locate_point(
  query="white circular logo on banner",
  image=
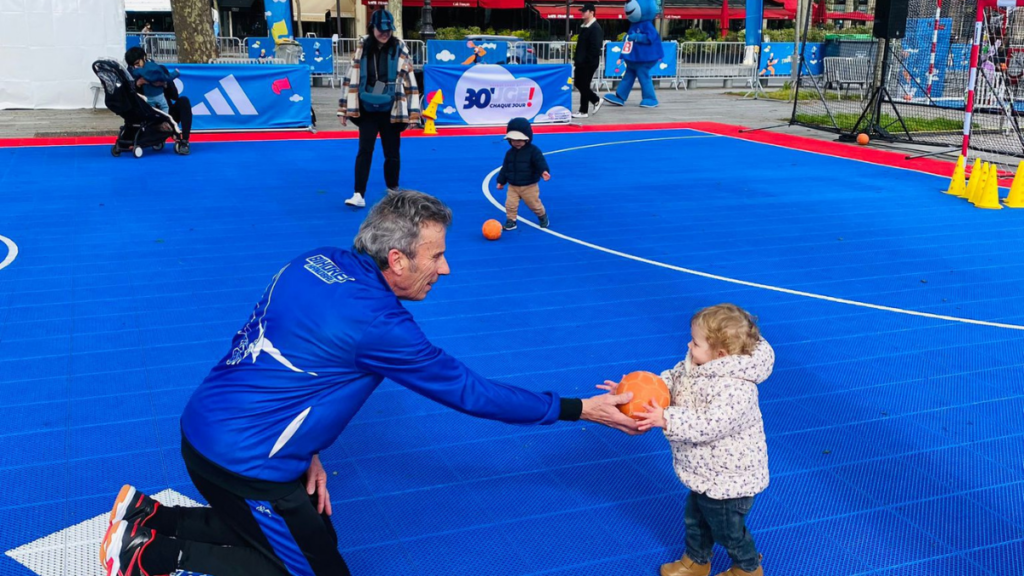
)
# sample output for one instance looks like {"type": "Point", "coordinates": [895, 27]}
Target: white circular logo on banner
{"type": "Point", "coordinates": [490, 94]}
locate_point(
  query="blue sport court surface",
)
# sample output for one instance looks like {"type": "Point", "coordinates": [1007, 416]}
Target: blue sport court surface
{"type": "Point", "coordinates": [894, 415]}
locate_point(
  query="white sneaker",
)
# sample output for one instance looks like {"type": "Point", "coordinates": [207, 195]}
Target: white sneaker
{"type": "Point", "coordinates": [580, 115]}
{"type": "Point", "coordinates": [597, 106]}
{"type": "Point", "coordinates": [356, 200]}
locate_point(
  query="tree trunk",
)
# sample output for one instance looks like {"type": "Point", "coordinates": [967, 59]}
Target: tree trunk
{"type": "Point", "coordinates": [395, 7]}
{"type": "Point", "coordinates": [193, 27]}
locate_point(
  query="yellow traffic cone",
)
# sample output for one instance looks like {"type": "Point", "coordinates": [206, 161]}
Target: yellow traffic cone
{"type": "Point", "coordinates": [972, 182]}
{"type": "Point", "coordinates": [990, 196]}
{"type": "Point", "coordinates": [957, 184]}
{"type": "Point", "coordinates": [1016, 197]}
{"type": "Point", "coordinates": [980, 188]}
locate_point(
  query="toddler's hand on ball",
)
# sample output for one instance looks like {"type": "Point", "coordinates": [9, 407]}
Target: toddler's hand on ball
{"type": "Point", "coordinates": [652, 416]}
{"type": "Point", "coordinates": [610, 386]}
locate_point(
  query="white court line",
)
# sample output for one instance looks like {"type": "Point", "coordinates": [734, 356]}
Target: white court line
{"type": "Point", "coordinates": [500, 206]}
{"type": "Point", "coordinates": [12, 251]}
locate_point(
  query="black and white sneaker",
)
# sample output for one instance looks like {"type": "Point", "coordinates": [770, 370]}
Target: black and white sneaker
{"type": "Point", "coordinates": [580, 115]}
{"type": "Point", "coordinates": [132, 505]}
{"type": "Point", "coordinates": [597, 106]}
{"type": "Point", "coordinates": [510, 225]}
{"type": "Point", "coordinates": [544, 223]}
{"type": "Point", "coordinates": [121, 551]}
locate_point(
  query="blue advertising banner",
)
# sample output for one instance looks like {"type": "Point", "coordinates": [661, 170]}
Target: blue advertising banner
{"type": "Point", "coordinates": [246, 97]}
{"type": "Point", "coordinates": [492, 95]}
{"type": "Point", "coordinates": [755, 17]}
{"type": "Point", "coordinates": [466, 52]}
{"type": "Point", "coordinates": [915, 50]}
{"type": "Point", "coordinates": [615, 67]}
{"type": "Point", "coordinates": [260, 47]}
{"type": "Point", "coordinates": [317, 53]}
{"type": "Point", "coordinates": [279, 18]}
{"type": "Point", "coordinates": [777, 59]}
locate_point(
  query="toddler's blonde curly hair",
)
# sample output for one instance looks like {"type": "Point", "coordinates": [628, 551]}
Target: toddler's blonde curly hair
{"type": "Point", "coordinates": [728, 327]}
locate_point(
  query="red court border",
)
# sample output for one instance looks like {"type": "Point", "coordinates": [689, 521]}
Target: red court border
{"type": "Point", "coordinates": [838, 149]}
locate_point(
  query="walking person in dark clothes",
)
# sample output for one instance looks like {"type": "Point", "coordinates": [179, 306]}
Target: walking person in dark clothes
{"type": "Point", "coordinates": [329, 328]}
{"type": "Point", "coordinates": [523, 168]}
{"type": "Point", "coordinates": [381, 97]}
{"type": "Point", "coordinates": [589, 43]}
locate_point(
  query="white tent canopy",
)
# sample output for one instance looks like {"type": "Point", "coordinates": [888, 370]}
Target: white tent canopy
{"type": "Point", "coordinates": [147, 5]}
{"type": "Point", "coordinates": [47, 48]}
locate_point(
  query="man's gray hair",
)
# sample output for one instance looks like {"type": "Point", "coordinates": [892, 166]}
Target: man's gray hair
{"type": "Point", "coordinates": [394, 223]}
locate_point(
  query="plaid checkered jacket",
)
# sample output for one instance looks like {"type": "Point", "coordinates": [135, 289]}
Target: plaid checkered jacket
{"type": "Point", "coordinates": [406, 109]}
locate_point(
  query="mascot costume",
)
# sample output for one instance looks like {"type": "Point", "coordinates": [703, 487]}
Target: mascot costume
{"type": "Point", "coordinates": [641, 50]}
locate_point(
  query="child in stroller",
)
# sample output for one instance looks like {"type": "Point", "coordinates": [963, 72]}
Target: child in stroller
{"type": "Point", "coordinates": [144, 126]}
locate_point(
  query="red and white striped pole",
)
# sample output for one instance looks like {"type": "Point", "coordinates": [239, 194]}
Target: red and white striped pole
{"type": "Point", "coordinates": [935, 41]}
{"type": "Point", "coordinates": [975, 48]}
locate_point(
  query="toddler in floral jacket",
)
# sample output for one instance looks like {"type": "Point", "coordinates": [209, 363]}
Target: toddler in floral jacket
{"type": "Point", "coordinates": [714, 426]}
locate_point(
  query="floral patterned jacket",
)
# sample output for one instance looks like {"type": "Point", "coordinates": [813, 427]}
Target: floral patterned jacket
{"type": "Point", "coordinates": [714, 424]}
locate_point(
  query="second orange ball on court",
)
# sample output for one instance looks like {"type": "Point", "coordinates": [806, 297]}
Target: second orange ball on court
{"type": "Point", "coordinates": [645, 386]}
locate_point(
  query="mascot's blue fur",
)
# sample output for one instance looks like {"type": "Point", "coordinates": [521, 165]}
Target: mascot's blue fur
{"type": "Point", "coordinates": [641, 52]}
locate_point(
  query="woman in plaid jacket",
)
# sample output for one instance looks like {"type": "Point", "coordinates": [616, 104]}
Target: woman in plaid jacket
{"type": "Point", "coordinates": [381, 97]}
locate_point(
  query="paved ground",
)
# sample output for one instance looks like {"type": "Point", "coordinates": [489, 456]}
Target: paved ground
{"type": "Point", "coordinates": [697, 104]}
{"type": "Point", "coordinates": [676, 106]}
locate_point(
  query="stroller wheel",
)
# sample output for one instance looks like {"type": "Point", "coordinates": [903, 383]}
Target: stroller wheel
{"type": "Point", "coordinates": [138, 152]}
{"type": "Point", "coordinates": [158, 146]}
{"type": "Point", "coordinates": [115, 151]}
{"type": "Point", "coordinates": [182, 148]}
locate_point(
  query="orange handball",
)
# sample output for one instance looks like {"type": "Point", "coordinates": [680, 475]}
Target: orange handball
{"type": "Point", "coordinates": [645, 387]}
{"type": "Point", "coordinates": [863, 139]}
{"type": "Point", "coordinates": [492, 229]}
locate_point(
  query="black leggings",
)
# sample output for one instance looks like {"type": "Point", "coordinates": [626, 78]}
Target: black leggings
{"type": "Point", "coordinates": [236, 536]}
{"type": "Point", "coordinates": [370, 125]}
{"type": "Point", "coordinates": [584, 75]}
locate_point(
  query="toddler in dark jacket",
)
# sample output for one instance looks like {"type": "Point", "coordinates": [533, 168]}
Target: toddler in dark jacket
{"type": "Point", "coordinates": [522, 169]}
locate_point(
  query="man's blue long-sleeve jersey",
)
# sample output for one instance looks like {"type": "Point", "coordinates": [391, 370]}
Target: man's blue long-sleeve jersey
{"type": "Point", "coordinates": [325, 334]}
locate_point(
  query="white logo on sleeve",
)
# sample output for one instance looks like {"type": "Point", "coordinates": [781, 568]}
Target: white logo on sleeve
{"type": "Point", "coordinates": [257, 326]}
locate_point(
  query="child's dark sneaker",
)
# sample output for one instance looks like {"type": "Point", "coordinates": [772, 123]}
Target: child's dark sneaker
{"type": "Point", "coordinates": [510, 225]}
{"type": "Point", "coordinates": [544, 223]}
{"type": "Point", "coordinates": [132, 505]}
{"type": "Point", "coordinates": [121, 551]}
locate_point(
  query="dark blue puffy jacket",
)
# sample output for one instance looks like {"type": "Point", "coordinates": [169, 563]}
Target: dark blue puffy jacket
{"type": "Point", "coordinates": [522, 166]}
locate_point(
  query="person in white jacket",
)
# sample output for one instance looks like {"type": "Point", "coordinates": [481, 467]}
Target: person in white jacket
{"type": "Point", "coordinates": [717, 435]}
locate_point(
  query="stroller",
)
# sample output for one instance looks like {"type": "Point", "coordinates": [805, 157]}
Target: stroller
{"type": "Point", "coordinates": [144, 126]}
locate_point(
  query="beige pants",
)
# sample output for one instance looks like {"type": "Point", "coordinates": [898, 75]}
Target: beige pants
{"type": "Point", "coordinates": [530, 194]}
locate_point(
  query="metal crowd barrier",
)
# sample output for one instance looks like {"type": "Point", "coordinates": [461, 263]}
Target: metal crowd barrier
{"type": "Point", "coordinates": [163, 47]}
{"type": "Point", "coordinates": [711, 61]}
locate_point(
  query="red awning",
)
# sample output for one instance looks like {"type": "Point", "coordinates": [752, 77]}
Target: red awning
{"type": "Point", "coordinates": [712, 13]}
{"type": "Point", "coordinates": [502, 4]}
{"type": "Point", "coordinates": [861, 16]}
{"type": "Point", "coordinates": [606, 11]}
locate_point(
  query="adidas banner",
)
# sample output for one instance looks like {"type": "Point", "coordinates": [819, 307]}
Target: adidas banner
{"type": "Point", "coordinates": [488, 94]}
{"type": "Point", "coordinates": [246, 96]}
